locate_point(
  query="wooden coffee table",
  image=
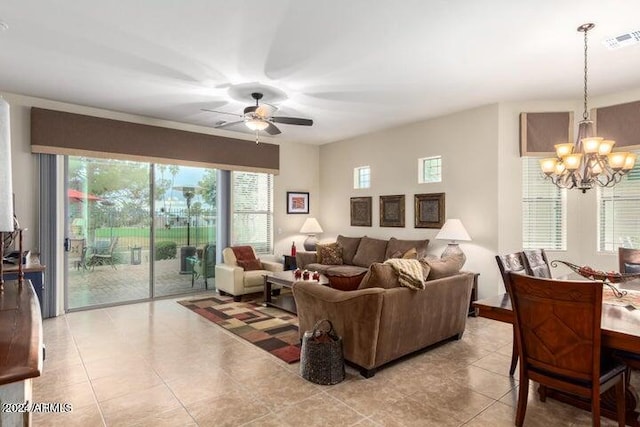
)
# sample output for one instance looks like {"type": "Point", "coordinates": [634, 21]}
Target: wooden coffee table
{"type": "Point", "coordinates": [285, 279]}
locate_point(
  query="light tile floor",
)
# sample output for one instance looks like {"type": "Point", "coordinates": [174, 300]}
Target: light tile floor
{"type": "Point", "coordinates": [160, 364]}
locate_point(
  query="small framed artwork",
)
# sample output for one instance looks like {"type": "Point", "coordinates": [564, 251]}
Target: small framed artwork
{"type": "Point", "coordinates": [429, 210]}
{"type": "Point", "coordinates": [361, 211]}
{"type": "Point", "coordinates": [297, 202]}
{"type": "Point", "coordinates": [392, 211]}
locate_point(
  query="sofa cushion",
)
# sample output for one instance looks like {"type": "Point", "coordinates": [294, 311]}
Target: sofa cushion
{"type": "Point", "coordinates": [444, 267]}
{"type": "Point", "coordinates": [397, 245]}
{"type": "Point", "coordinates": [250, 264]}
{"type": "Point", "coordinates": [369, 251]}
{"type": "Point", "coordinates": [329, 254]}
{"type": "Point", "coordinates": [255, 277]}
{"type": "Point", "coordinates": [344, 270]}
{"type": "Point", "coordinates": [380, 276]}
{"type": "Point", "coordinates": [316, 266]}
{"type": "Point", "coordinates": [349, 247]}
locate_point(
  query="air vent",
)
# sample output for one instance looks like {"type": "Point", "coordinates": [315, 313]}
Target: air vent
{"type": "Point", "coordinates": [623, 40]}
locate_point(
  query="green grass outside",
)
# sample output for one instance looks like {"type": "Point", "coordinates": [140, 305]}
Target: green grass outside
{"type": "Point", "coordinates": [133, 236]}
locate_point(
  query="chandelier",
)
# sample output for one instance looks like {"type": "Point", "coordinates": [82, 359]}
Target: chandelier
{"type": "Point", "coordinates": [590, 161]}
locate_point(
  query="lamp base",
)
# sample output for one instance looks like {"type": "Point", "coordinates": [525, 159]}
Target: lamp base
{"type": "Point", "coordinates": [310, 243]}
{"type": "Point", "coordinates": [453, 249]}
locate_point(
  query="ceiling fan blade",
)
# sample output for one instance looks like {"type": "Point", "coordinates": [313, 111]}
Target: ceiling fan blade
{"type": "Point", "coordinates": [292, 121]}
{"type": "Point", "coordinates": [229, 124]}
{"type": "Point", "coordinates": [220, 112]}
{"type": "Point", "coordinates": [272, 129]}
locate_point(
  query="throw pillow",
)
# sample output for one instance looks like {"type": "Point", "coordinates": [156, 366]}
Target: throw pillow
{"type": "Point", "coordinates": [410, 254]}
{"type": "Point", "coordinates": [329, 254]}
{"type": "Point", "coordinates": [250, 264]}
{"type": "Point", "coordinates": [380, 276]}
{"type": "Point", "coordinates": [349, 248]}
{"type": "Point", "coordinates": [443, 267]}
{"type": "Point", "coordinates": [243, 252]}
{"type": "Point", "coordinates": [396, 245]}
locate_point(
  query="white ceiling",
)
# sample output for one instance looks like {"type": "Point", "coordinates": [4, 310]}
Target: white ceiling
{"type": "Point", "coordinates": [352, 66]}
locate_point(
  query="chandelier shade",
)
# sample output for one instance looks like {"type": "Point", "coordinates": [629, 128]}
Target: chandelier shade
{"type": "Point", "coordinates": [590, 161]}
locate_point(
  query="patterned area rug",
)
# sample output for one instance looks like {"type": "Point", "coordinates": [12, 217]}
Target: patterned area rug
{"type": "Point", "coordinates": [273, 330]}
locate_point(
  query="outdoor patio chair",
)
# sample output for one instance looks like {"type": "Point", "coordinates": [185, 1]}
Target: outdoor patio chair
{"type": "Point", "coordinates": [102, 258]}
{"type": "Point", "coordinates": [204, 266]}
{"type": "Point", "coordinates": [78, 253]}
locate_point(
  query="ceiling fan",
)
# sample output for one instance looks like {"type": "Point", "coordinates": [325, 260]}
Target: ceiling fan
{"type": "Point", "coordinates": [259, 117]}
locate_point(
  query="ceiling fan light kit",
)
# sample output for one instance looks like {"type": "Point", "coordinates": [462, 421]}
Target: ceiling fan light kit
{"type": "Point", "coordinates": [256, 124]}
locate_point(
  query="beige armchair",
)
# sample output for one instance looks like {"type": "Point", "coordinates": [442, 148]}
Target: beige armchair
{"type": "Point", "coordinates": [233, 280]}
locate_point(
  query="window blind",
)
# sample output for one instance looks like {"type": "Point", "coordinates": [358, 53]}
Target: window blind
{"type": "Point", "coordinates": [543, 210]}
{"type": "Point", "coordinates": [252, 202]}
{"type": "Point", "coordinates": [619, 213]}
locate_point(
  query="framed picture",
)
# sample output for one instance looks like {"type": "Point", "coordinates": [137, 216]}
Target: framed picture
{"type": "Point", "coordinates": [429, 210]}
{"type": "Point", "coordinates": [361, 211]}
{"type": "Point", "coordinates": [297, 202]}
{"type": "Point", "coordinates": [392, 211]}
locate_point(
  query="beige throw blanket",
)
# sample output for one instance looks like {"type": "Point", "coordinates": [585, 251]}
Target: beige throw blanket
{"type": "Point", "coordinates": [409, 272]}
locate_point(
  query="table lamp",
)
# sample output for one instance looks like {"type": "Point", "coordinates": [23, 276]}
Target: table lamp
{"type": "Point", "coordinates": [311, 227]}
{"type": "Point", "coordinates": [454, 231]}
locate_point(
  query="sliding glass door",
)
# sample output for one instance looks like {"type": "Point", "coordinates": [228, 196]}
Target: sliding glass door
{"type": "Point", "coordinates": [136, 231]}
{"type": "Point", "coordinates": [185, 223]}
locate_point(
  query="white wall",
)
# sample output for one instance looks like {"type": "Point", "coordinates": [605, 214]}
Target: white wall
{"type": "Point", "coordinates": [468, 144]}
{"type": "Point", "coordinates": [299, 171]}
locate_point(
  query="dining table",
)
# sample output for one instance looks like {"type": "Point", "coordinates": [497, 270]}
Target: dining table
{"type": "Point", "coordinates": [620, 326]}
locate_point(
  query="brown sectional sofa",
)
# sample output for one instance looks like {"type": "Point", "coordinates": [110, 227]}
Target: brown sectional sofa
{"type": "Point", "coordinates": [382, 321]}
{"type": "Point", "coordinates": [380, 325]}
{"type": "Point", "coordinates": [358, 253]}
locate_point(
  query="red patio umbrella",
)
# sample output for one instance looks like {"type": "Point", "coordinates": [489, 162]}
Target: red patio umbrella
{"type": "Point", "coordinates": [80, 196]}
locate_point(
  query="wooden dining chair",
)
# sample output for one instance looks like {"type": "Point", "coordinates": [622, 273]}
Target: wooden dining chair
{"type": "Point", "coordinates": [536, 263]}
{"type": "Point", "coordinates": [629, 260]}
{"type": "Point", "coordinates": [511, 263]}
{"type": "Point", "coordinates": [558, 336]}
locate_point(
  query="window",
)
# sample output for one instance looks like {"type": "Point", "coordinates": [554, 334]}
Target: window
{"type": "Point", "coordinates": [430, 169]}
{"type": "Point", "coordinates": [543, 210]}
{"type": "Point", "coordinates": [252, 205]}
{"type": "Point", "coordinates": [362, 177]}
{"type": "Point", "coordinates": [619, 213]}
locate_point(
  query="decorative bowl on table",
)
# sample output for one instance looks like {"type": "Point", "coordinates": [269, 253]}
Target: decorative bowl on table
{"type": "Point", "coordinates": [607, 278]}
{"type": "Point", "coordinates": [589, 273]}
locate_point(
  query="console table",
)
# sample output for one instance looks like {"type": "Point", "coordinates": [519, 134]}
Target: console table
{"type": "Point", "coordinates": [33, 272]}
{"type": "Point", "coordinates": [21, 350]}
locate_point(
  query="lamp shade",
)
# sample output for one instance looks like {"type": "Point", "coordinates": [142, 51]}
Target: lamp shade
{"type": "Point", "coordinates": [311, 226]}
{"type": "Point", "coordinates": [6, 185]}
{"type": "Point", "coordinates": [453, 230]}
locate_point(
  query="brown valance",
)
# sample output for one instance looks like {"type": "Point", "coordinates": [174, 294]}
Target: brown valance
{"type": "Point", "coordinates": [619, 122]}
{"type": "Point", "coordinates": [57, 132]}
{"type": "Point", "coordinates": [539, 132]}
